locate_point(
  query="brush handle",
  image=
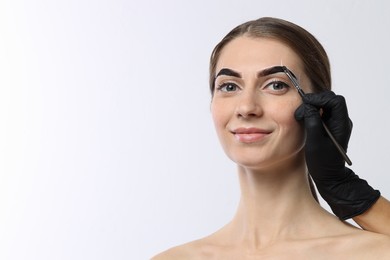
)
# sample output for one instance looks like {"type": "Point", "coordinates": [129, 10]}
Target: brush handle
{"type": "Point", "coordinates": [338, 146]}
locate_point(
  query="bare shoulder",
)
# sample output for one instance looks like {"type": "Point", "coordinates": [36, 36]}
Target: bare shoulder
{"type": "Point", "coordinates": [367, 245]}
{"type": "Point", "coordinates": [178, 252]}
{"type": "Point", "coordinates": [191, 250]}
{"type": "Point", "coordinates": [379, 242]}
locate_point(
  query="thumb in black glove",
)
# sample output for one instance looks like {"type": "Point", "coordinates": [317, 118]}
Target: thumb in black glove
{"type": "Point", "coordinates": [341, 188]}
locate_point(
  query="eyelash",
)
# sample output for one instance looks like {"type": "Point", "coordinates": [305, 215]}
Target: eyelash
{"type": "Point", "coordinates": [284, 84]}
{"type": "Point", "coordinates": [223, 85]}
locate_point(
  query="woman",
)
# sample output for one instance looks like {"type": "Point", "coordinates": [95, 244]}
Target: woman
{"type": "Point", "coordinates": [255, 111]}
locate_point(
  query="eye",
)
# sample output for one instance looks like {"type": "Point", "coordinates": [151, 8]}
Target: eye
{"type": "Point", "coordinates": [227, 87]}
{"type": "Point", "coordinates": [277, 86]}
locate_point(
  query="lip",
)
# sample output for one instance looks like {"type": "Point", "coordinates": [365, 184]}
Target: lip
{"type": "Point", "coordinates": [250, 134]}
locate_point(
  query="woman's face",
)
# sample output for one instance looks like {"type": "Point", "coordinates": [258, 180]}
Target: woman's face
{"type": "Point", "coordinates": [254, 114]}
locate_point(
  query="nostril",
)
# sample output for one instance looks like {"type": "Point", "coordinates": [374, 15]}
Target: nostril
{"type": "Point", "coordinates": [248, 109]}
{"type": "Point", "coordinates": [246, 115]}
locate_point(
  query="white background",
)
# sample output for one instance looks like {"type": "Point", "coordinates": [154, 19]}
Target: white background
{"type": "Point", "coordinates": [107, 148]}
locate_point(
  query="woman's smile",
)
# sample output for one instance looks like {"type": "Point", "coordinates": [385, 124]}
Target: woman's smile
{"type": "Point", "coordinates": [250, 135]}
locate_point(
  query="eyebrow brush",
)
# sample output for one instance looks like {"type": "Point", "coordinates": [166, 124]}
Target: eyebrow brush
{"type": "Point", "coordinates": [294, 81]}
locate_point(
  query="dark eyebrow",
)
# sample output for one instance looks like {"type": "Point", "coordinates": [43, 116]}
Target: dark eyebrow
{"type": "Point", "coordinates": [269, 71]}
{"type": "Point", "coordinates": [228, 72]}
{"type": "Point", "coordinates": [262, 73]}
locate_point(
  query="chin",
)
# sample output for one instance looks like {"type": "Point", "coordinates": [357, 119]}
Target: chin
{"type": "Point", "coordinates": [268, 162]}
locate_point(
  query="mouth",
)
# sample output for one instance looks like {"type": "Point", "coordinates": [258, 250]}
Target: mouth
{"type": "Point", "coordinates": [250, 135]}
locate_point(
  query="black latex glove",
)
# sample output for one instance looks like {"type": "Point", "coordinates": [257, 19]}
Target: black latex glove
{"type": "Point", "coordinates": [340, 187]}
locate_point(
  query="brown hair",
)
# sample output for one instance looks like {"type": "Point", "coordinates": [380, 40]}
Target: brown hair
{"type": "Point", "coordinates": [313, 55]}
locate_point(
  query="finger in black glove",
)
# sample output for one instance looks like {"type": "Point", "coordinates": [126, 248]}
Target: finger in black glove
{"type": "Point", "coordinates": [341, 188]}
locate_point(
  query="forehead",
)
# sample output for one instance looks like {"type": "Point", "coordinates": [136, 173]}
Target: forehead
{"type": "Point", "coordinates": [256, 53]}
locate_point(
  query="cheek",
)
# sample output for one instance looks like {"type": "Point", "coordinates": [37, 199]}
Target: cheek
{"type": "Point", "coordinates": [283, 115]}
{"type": "Point", "coordinates": [293, 128]}
{"type": "Point", "coordinates": [283, 107]}
{"type": "Point", "coordinates": [220, 112]}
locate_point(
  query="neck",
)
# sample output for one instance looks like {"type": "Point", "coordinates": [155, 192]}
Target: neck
{"type": "Point", "coordinates": [276, 203]}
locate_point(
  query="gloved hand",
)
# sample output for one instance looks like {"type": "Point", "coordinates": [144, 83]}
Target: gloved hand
{"type": "Point", "coordinates": [340, 187]}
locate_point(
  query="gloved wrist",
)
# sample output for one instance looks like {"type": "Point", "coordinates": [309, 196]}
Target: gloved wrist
{"type": "Point", "coordinates": [349, 197]}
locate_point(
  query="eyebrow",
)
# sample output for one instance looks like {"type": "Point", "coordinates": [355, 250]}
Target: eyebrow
{"type": "Point", "coordinates": [228, 72]}
{"type": "Point", "coordinates": [262, 73]}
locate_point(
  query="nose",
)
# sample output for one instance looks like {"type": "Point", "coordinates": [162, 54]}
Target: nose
{"type": "Point", "coordinates": [249, 105]}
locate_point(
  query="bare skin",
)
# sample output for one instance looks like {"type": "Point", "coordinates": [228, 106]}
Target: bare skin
{"type": "Point", "coordinates": [277, 217]}
{"type": "Point", "coordinates": [376, 218]}
{"type": "Point", "coordinates": [298, 229]}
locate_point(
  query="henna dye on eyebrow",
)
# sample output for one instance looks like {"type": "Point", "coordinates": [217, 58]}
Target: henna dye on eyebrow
{"type": "Point", "coordinates": [270, 71]}
{"type": "Point", "coordinates": [262, 73]}
{"type": "Point", "coordinates": [228, 72]}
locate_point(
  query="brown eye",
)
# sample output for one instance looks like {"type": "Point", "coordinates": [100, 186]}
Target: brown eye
{"type": "Point", "coordinates": [277, 86]}
{"type": "Point", "coordinates": [228, 87]}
